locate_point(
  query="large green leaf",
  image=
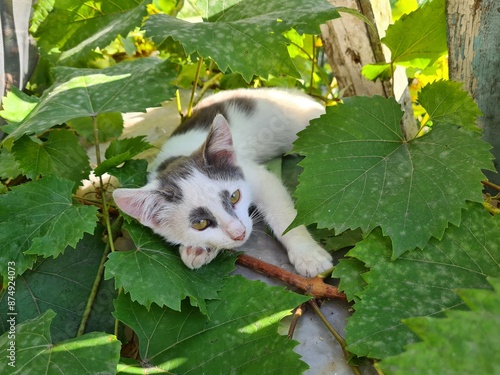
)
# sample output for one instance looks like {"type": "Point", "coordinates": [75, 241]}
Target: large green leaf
{"type": "Point", "coordinates": [420, 282]}
{"type": "Point", "coordinates": [77, 27]}
{"type": "Point", "coordinates": [155, 273]}
{"type": "Point", "coordinates": [359, 171]}
{"type": "Point", "coordinates": [64, 285]}
{"type": "Point", "coordinates": [60, 155]}
{"type": "Point", "coordinates": [419, 38]}
{"type": "Point", "coordinates": [247, 37]}
{"type": "Point", "coordinates": [39, 218]}
{"type": "Point", "coordinates": [125, 87]}
{"type": "Point", "coordinates": [447, 103]}
{"type": "Point", "coordinates": [239, 336]}
{"type": "Point", "coordinates": [93, 353]}
{"type": "Point", "coordinates": [465, 342]}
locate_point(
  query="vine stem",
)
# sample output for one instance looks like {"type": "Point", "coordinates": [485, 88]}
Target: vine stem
{"type": "Point", "coordinates": [110, 235]}
{"type": "Point", "coordinates": [195, 85]}
{"type": "Point", "coordinates": [339, 338]}
{"type": "Point", "coordinates": [315, 286]}
{"type": "Point", "coordinates": [93, 292]}
{"type": "Point", "coordinates": [314, 62]}
{"type": "Point", "coordinates": [491, 185]}
{"type": "Point", "coordinates": [321, 73]}
{"type": "Point", "coordinates": [296, 316]}
{"type": "Point", "coordinates": [105, 211]}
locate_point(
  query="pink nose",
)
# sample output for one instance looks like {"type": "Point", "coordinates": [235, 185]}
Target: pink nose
{"type": "Point", "coordinates": [239, 237]}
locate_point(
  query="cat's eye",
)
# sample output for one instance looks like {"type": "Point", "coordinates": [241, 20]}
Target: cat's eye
{"type": "Point", "coordinates": [201, 224]}
{"type": "Point", "coordinates": [235, 197]}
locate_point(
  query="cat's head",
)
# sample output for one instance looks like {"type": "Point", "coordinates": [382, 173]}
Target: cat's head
{"type": "Point", "coordinates": [201, 200]}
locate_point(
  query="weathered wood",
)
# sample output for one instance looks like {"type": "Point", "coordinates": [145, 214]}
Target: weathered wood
{"type": "Point", "coordinates": [474, 59]}
{"type": "Point", "coordinates": [350, 44]}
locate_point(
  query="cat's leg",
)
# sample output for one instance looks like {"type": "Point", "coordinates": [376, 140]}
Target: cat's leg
{"type": "Point", "coordinates": [195, 257]}
{"type": "Point", "coordinates": [274, 202]}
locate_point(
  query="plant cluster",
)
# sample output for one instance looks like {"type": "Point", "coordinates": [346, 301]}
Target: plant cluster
{"type": "Point", "coordinates": [423, 272]}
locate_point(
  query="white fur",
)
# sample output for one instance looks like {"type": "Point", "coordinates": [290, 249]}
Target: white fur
{"type": "Point", "coordinates": [269, 132]}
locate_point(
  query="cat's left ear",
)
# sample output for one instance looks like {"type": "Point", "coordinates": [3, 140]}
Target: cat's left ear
{"type": "Point", "coordinates": [218, 148]}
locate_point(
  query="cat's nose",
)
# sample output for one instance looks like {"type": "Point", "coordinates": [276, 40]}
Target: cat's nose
{"type": "Point", "coordinates": [239, 237]}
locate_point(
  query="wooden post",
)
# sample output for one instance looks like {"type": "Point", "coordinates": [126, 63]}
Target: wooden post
{"type": "Point", "coordinates": [474, 59]}
{"type": "Point", "coordinates": [350, 44]}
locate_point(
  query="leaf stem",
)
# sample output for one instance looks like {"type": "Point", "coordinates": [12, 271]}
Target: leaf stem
{"type": "Point", "coordinates": [195, 86]}
{"type": "Point", "coordinates": [314, 62]}
{"type": "Point", "coordinates": [339, 338]}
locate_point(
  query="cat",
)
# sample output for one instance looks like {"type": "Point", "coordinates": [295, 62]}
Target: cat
{"type": "Point", "coordinates": [208, 180]}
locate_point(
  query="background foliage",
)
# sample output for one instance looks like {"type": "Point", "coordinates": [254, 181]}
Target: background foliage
{"type": "Point", "coordinates": [425, 234]}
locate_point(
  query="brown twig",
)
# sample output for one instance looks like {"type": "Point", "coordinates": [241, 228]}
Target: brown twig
{"type": "Point", "coordinates": [491, 185]}
{"type": "Point", "coordinates": [297, 314]}
{"type": "Point", "coordinates": [315, 286]}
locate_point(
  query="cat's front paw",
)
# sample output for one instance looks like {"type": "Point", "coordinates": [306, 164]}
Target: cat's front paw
{"type": "Point", "coordinates": [310, 260]}
{"type": "Point", "coordinates": [195, 257]}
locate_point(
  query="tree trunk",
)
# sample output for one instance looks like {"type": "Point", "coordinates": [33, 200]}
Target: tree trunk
{"type": "Point", "coordinates": [350, 44]}
{"type": "Point", "coordinates": [474, 58]}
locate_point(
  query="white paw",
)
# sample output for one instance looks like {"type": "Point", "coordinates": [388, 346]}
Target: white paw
{"type": "Point", "coordinates": [195, 257]}
{"type": "Point", "coordinates": [310, 260]}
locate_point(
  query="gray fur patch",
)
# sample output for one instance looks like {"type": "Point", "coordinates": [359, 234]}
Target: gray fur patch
{"type": "Point", "coordinates": [225, 197]}
{"type": "Point", "coordinates": [169, 172]}
{"type": "Point", "coordinates": [203, 116]}
{"type": "Point", "coordinates": [226, 171]}
{"type": "Point", "coordinates": [202, 213]}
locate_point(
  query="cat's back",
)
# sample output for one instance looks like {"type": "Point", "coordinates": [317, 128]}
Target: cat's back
{"type": "Point", "coordinates": [263, 122]}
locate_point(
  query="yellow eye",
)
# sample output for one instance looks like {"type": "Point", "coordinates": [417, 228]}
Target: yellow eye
{"type": "Point", "coordinates": [235, 197]}
{"type": "Point", "coordinates": [201, 224]}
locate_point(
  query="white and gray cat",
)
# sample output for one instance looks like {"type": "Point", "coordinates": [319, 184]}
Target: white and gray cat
{"type": "Point", "coordinates": [208, 179]}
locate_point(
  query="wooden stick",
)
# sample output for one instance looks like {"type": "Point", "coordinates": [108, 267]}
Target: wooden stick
{"type": "Point", "coordinates": [315, 286]}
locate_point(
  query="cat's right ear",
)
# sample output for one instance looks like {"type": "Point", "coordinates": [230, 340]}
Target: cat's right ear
{"type": "Point", "coordinates": [218, 148]}
{"type": "Point", "coordinates": [142, 204]}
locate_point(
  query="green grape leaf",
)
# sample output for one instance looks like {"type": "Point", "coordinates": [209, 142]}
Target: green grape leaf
{"type": "Point", "coordinates": [125, 87]}
{"type": "Point", "coordinates": [155, 273]}
{"type": "Point", "coordinates": [374, 71]}
{"type": "Point", "coordinates": [39, 218]}
{"type": "Point", "coordinates": [92, 353]}
{"type": "Point", "coordinates": [447, 103]}
{"type": "Point", "coordinates": [258, 27]}
{"type": "Point", "coordinates": [243, 321]}
{"type": "Point", "coordinates": [359, 171]}
{"type": "Point", "coordinates": [350, 272]}
{"type": "Point", "coordinates": [132, 174]}
{"type": "Point", "coordinates": [420, 282]}
{"type": "Point", "coordinates": [76, 28]}
{"type": "Point", "coordinates": [9, 167]}
{"type": "Point", "coordinates": [465, 342]}
{"type": "Point", "coordinates": [17, 105]}
{"type": "Point", "coordinates": [60, 155]}
{"type": "Point", "coordinates": [109, 126]}
{"type": "Point", "coordinates": [121, 150]}
{"type": "Point", "coordinates": [419, 38]}
{"type": "Point", "coordinates": [64, 285]}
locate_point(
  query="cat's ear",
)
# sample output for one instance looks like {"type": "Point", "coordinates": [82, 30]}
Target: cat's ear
{"type": "Point", "coordinates": [142, 204]}
{"type": "Point", "coordinates": [218, 148]}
